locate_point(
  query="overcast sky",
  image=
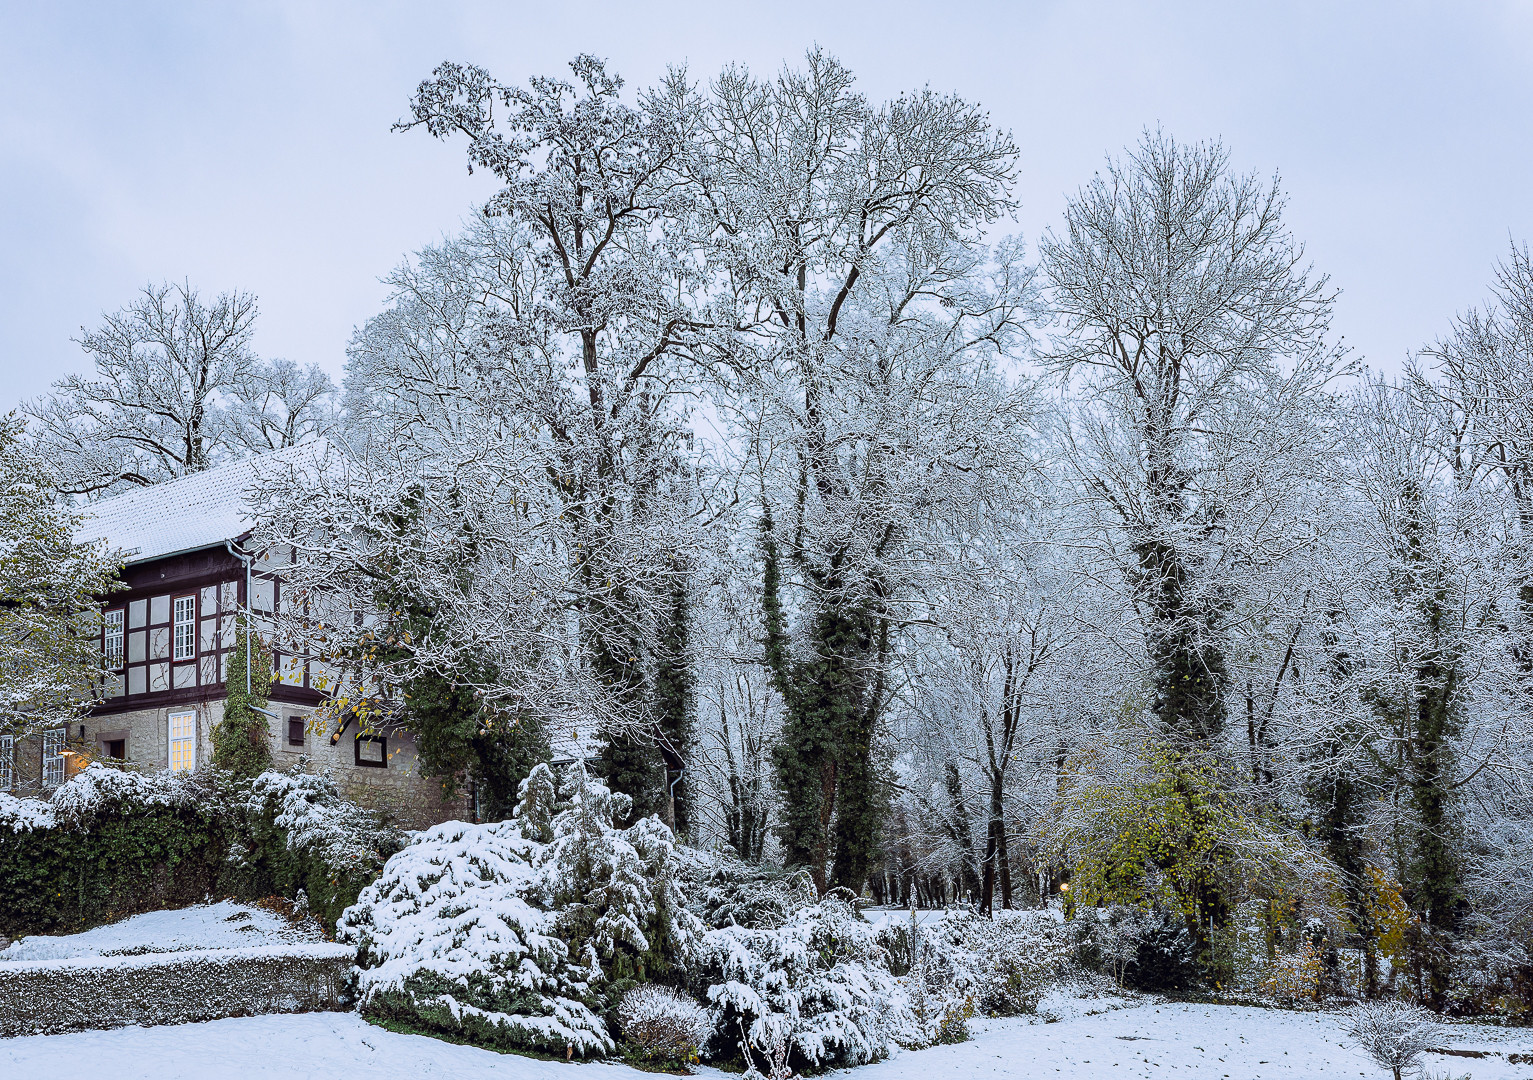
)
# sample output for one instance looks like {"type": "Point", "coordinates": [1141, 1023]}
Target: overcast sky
{"type": "Point", "coordinates": [248, 145]}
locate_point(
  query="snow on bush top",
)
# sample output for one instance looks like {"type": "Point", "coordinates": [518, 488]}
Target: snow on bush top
{"type": "Point", "coordinates": [501, 930]}
{"type": "Point", "coordinates": [817, 985]}
{"type": "Point", "coordinates": [24, 815]}
{"type": "Point", "coordinates": [98, 790]}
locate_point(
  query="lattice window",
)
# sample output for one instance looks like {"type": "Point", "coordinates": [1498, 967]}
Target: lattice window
{"type": "Point", "coordinates": [111, 640]}
{"type": "Point", "coordinates": [7, 762]}
{"type": "Point", "coordinates": [53, 757]}
{"type": "Point", "coordinates": [183, 741]}
{"type": "Point", "coordinates": [186, 627]}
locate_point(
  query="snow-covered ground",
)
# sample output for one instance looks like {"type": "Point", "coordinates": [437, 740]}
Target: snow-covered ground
{"type": "Point", "coordinates": [223, 925]}
{"type": "Point", "coordinates": [1148, 1040]}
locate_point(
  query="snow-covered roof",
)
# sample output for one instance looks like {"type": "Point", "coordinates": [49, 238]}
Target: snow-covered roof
{"type": "Point", "coordinates": [197, 511]}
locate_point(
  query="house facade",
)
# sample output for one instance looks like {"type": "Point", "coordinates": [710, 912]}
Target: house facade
{"type": "Point", "coordinates": [166, 644]}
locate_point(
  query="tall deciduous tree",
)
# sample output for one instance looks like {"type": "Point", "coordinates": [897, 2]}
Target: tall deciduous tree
{"type": "Point", "coordinates": [176, 389]}
{"type": "Point", "coordinates": [1197, 337]}
{"type": "Point", "coordinates": [860, 319]}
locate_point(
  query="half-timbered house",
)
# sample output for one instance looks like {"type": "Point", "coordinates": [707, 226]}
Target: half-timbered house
{"type": "Point", "coordinates": [166, 642]}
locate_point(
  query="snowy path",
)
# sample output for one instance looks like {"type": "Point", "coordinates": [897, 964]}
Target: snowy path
{"type": "Point", "coordinates": [1148, 1041]}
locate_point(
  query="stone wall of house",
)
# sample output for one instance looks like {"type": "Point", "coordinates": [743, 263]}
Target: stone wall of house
{"type": "Point", "coordinates": [381, 771]}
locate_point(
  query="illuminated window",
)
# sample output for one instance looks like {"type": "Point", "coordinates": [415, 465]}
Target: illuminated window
{"type": "Point", "coordinates": [111, 640]}
{"type": "Point", "coordinates": [53, 757]}
{"type": "Point", "coordinates": [7, 756]}
{"type": "Point", "coordinates": [183, 741]}
{"type": "Point", "coordinates": [186, 627]}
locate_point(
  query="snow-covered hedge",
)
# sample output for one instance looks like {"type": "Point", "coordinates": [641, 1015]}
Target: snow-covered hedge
{"type": "Point", "coordinates": [43, 997]}
{"type": "Point", "coordinates": [816, 990]}
{"type": "Point", "coordinates": [112, 842]}
{"type": "Point", "coordinates": [109, 842]}
{"type": "Point", "coordinates": [1003, 965]}
{"type": "Point", "coordinates": [502, 933]}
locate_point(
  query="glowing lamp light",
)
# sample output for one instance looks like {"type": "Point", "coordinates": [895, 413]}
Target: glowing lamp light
{"type": "Point", "coordinates": [1064, 886]}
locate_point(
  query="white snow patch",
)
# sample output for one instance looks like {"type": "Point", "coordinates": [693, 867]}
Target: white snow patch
{"type": "Point", "coordinates": [1161, 1041]}
{"type": "Point", "coordinates": [224, 925]}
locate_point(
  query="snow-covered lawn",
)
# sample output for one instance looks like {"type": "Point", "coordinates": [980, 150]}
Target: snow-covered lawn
{"type": "Point", "coordinates": [224, 925]}
{"type": "Point", "coordinates": [1140, 1041]}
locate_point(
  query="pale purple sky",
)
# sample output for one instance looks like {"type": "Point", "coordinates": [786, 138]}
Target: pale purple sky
{"type": "Point", "coordinates": [247, 144]}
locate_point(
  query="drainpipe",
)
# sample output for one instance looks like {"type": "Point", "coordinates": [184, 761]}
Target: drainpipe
{"type": "Point", "coordinates": [246, 560]}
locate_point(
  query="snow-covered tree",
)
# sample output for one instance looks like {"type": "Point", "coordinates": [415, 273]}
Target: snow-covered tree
{"type": "Point", "coordinates": [1196, 337]}
{"type": "Point", "coordinates": [176, 389]}
{"type": "Point", "coordinates": [50, 589]}
{"type": "Point", "coordinates": [860, 322]}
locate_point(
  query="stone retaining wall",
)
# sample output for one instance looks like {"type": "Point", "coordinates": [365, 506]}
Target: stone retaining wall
{"type": "Point", "coordinates": [44, 997]}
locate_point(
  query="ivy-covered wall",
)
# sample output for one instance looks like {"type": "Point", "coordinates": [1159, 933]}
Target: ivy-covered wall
{"type": "Point", "coordinates": [114, 843]}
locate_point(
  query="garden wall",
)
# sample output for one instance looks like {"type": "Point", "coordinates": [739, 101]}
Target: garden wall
{"type": "Point", "coordinates": [44, 997]}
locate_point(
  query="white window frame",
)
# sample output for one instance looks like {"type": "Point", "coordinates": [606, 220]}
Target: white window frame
{"type": "Point", "coordinates": [188, 624]}
{"type": "Point", "coordinates": [112, 639]}
{"type": "Point", "coordinates": [7, 762]}
{"type": "Point", "coordinates": [53, 757]}
{"type": "Point", "coordinates": [186, 760]}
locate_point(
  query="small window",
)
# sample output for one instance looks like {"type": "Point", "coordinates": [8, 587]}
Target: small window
{"type": "Point", "coordinates": [295, 731]}
{"type": "Point", "coordinates": [111, 639]}
{"type": "Point", "coordinates": [186, 627]}
{"type": "Point", "coordinates": [372, 751]}
{"type": "Point", "coordinates": [116, 749]}
{"type": "Point", "coordinates": [183, 741]}
{"type": "Point", "coordinates": [53, 757]}
{"type": "Point", "coordinates": [7, 758]}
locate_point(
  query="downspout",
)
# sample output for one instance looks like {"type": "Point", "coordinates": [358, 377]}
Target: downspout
{"type": "Point", "coordinates": [246, 560]}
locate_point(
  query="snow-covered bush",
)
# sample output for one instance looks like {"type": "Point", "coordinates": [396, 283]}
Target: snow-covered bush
{"type": "Point", "coordinates": [300, 835]}
{"type": "Point", "coordinates": [723, 890]}
{"type": "Point", "coordinates": [817, 988]}
{"type": "Point", "coordinates": [1393, 1033]}
{"type": "Point", "coordinates": [452, 938]}
{"type": "Point", "coordinates": [491, 933]}
{"type": "Point", "coordinates": [615, 890]}
{"type": "Point", "coordinates": [662, 1025]}
{"type": "Point", "coordinates": [1003, 966]}
{"type": "Point", "coordinates": [1142, 950]}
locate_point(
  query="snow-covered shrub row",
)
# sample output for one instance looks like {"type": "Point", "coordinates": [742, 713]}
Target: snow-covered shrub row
{"type": "Point", "coordinates": [502, 933]}
{"type": "Point", "coordinates": [113, 842]}
{"type": "Point", "coordinates": [818, 987]}
{"type": "Point", "coordinates": [44, 997]}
